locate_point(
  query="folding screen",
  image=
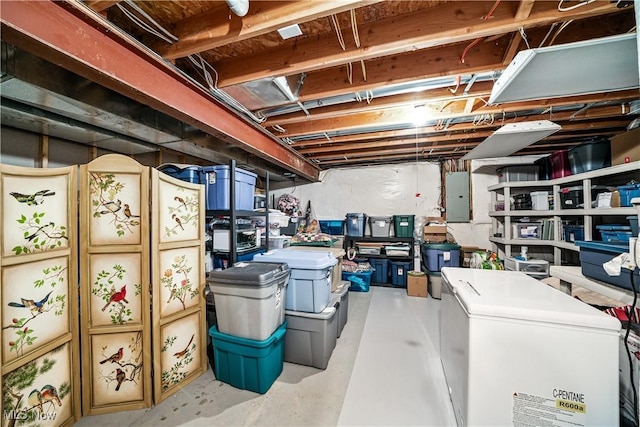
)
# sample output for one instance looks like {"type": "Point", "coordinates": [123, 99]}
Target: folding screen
{"type": "Point", "coordinates": [115, 285]}
{"type": "Point", "coordinates": [179, 324]}
{"type": "Point", "coordinates": [39, 354]}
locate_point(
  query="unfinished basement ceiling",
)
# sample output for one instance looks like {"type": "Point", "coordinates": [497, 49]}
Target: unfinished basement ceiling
{"type": "Point", "coordinates": [344, 93]}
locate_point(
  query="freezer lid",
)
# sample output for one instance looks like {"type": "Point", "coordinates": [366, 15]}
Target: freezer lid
{"type": "Point", "coordinates": [517, 296]}
{"type": "Point", "coordinates": [250, 274]}
{"type": "Point", "coordinates": [304, 260]}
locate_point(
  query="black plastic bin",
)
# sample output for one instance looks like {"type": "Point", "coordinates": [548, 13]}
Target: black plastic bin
{"type": "Point", "coordinates": [590, 156]}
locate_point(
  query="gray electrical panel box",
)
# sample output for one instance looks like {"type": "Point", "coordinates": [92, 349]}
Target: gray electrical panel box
{"type": "Point", "coordinates": [457, 190]}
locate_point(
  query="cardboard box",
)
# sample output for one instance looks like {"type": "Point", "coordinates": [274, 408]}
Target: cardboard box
{"type": "Point", "coordinates": [625, 147]}
{"type": "Point", "coordinates": [465, 254]}
{"type": "Point", "coordinates": [434, 237]}
{"type": "Point", "coordinates": [417, 284]}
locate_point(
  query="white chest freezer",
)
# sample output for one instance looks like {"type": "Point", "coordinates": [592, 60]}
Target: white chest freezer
{"type": "Point", "coordinates": [517, 352]}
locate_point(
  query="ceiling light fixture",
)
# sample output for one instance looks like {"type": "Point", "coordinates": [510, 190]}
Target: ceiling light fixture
{"type": "Point", "coordinates": [591, 66]}
{"type": "Point", "coordinates": [512, 138]}
{"type": "Point", "coordinates": [239, 7]}
{"type": "Point", "coordinates": [290, 31]}
{"type": "Point", "coordinates": [419, 115]}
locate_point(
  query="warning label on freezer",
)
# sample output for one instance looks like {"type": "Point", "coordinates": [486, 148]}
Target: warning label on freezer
{"type": "Point", "coordinates": [559, 409]}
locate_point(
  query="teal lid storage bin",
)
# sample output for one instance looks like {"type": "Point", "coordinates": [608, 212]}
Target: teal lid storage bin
{"type": "Point", "coordinates": [403, 225]}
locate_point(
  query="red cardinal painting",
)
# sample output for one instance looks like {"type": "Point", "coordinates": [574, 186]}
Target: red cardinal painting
{"type": "Point", "coordinates": [117, 297]}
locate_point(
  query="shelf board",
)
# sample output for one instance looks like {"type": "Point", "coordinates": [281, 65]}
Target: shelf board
{"type": "Point", "coordinates": [567, 212]}
{"type": "Point", "coordinates": [628, 167]}
{"type": "Point", "coordinates": [574, 276]}
{"type": "Point", "coordinates": [535, 242]}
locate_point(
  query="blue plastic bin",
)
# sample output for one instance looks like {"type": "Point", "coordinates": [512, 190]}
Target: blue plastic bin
{"type": "Point", "coordinates": [221, 259]}
{"type": "Point", "coordinates": [573, 233]}
{"type": "Point", "coordinates": [188, 173]}
{"type": "Point", "coordinates": [217, 182]}
{"type": "Point", "coordinates": [614, 233]}
{"type": "Point", "coordinates": [628, 192]}
{"type": "Point", "coordinates": [381, 272]}
{"type": "Point", "coordinates": [355, 224]}
{"type": "Point", "coordinates": [360, 282]}
{"type": "Point", "coordinates": [438, 255]}
{"type": "Point", "coordinates": [335, 227]}
{"type": "Point", "coordinates": [594, 254]}
{"type": "Point", "coordinates": [248, 364]}
{"type": "Point", "coordinates": [399, 270]}
{"type": "Point", "coordinates": [633, 223]}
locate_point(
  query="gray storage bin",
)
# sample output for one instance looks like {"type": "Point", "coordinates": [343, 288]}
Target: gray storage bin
{"type": "Point", "coordinates": [311, 337]}
{"type": "Point", "coordinates": [249, 298]}
{"type": "Point", "coordinates": [518, 173]}
{"type": "Point", "coordinates": [380, 226]}
{"type": "Point", "coordinates": [340, 300]}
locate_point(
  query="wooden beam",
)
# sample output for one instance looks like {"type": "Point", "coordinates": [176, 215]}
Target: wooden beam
{"type": "Point", "coordinates": [123, 67]}
{"type": "Point", "coordinates": [439, 141]}
{"type": "Point", "coordinates": [397, 116]}
{"type": "Point", "coordinates": [212, 29]}
{"type": "Point", "coordinates": [101, 5]}
{"type": "Point", "coordinates": [440, 25]}
{"type": "Point", "coordinates": [44, 151]}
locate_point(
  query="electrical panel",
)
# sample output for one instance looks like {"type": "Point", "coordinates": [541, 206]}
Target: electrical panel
{"type": "Point", "coordinates": [457, 191]}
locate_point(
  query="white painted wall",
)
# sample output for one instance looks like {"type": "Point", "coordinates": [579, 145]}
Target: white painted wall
{"type": "Point", "coordinates": [399, 189]}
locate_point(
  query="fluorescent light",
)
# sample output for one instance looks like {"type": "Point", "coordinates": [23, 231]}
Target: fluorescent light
{"type": "Point", "coordinates": [290, 31]}
{"type": "Point", "coordinates": [419, 115]}
{"type": "Point", "coordinates": [511, 138]}
{"type": "Point", "coordinates": [592, 66]}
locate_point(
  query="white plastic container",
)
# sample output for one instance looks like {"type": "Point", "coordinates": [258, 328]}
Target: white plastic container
{"type": "Point", "coordinates": [309, 287]}
{"type": "Point", "coordinates": [537, 268]}
{"type": "Point", "coordinates": [311, 337]}
{"type": "Point", "coordinates": [540, 200]}
{"type": "Point", "coordinates": [250, 298]}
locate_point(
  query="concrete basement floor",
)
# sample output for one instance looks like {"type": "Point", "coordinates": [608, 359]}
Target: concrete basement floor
{"type": "Point", "coordinates": [385, 370]}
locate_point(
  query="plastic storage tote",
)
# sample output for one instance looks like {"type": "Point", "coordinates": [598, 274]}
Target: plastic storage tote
{"type": "Point", "coordinates": [594, 254]}
{"type": "Point", "coordinates": [221, 259]}
{"type": "Point", "coordinates": [359, 282]}
{"type": "Point", "coordinates": [438, 255]}
{"type": "Point", "coordinates": [250, 298]}
{"type": "Point", "coordinates": [340, 300]}
{"type": "Point", "coordinates": [403, 225]}
{"type": "Point", "coordinates": [380, 226]}
{"type": "Point", "coordinates": [537, 268]}
{"type": "Point", "coordinates": [355, 224]}
{"type": "Point", "coordinates": [309, 287]}
{"type": "Point", "coordinates": [633, 223]}
{"type": "Point", "coordinates": [381, 270]}
{"type": "Point", "coordinates": [559, 161]}
{"type": "Point", "coordinates": [590, 156]}
{"type": "Point", "coordinates": [573, 197]}
{"type": "Point", "coordinates": [399, 271]}
{"type": "Point", "coordinates": [628, 192]}
{"type": "Point", "coordinates": [335, 227]}
{"type": "Point", "coordinates": [217, 181]}
{"type": "Point", "coordinates": [248, 364]}
{"type": "Point", "coordinates": [518, 173]}
{"type": "Point", "coordinates": [544, 168]}
{"type": "Point", "coordinates": [311, 337]}
{"type": "Point", "coordinates": [615, 233]}
{"type": "Point", "coordinates": [540, 200]}
{"type": "Point", "coordinates": [573, 232]}
{"type": "Point", "coordinates": [188, 173]}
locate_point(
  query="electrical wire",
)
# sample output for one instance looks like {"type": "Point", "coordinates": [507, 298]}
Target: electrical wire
{"type": "Point", "coordinates": [562, 27]}
{"type": "Point", "coordinates": [336, 25]}
{"type": "Point", "coordinates": [466, 49]}
{"type": "Point", "coordinates": [524, 37]}
{"type": "Point", "coordinates": [575, 6]}
{"type": "Point", "coordinates": [153, 21]}
{"type": "Point", "coordinates": [142, 24]}
{"type": "Point", "coordinates": [354, 27]}
{"type": "Point", "coordinates": [493, 9]}
{"type": "Point", "coordinates": [551, 28]}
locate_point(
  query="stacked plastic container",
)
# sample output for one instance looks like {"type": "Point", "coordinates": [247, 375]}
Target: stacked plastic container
{"type": "Point", "coordinates": [355, 224]}
{"type": "Point", "coordinates": [217, 179]}
{"type": "Point", "coordinates": [380, 226]}
{"type": "Point", "coordinates": [248, 340]}
{"type": "Point", "coordinates": [434, 257]}
{"type": "Point", "coordinates": [312, 321]}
